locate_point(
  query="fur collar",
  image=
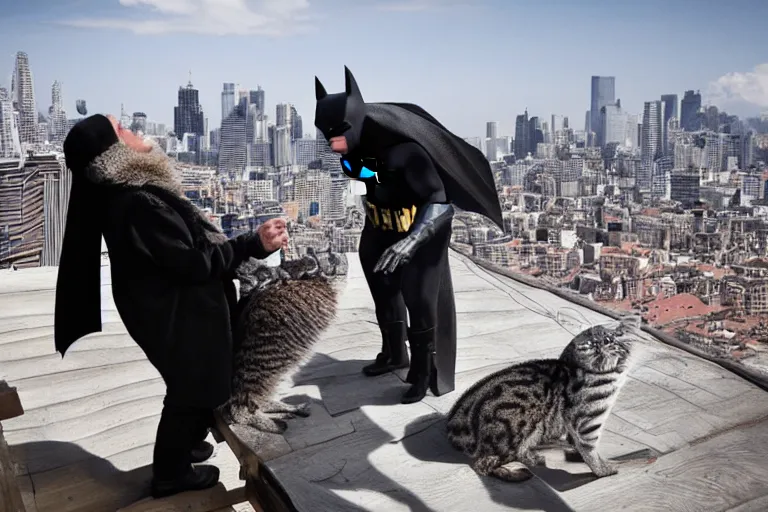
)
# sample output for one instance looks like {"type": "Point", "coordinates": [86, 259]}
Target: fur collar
{"type": "Point", "coordinates": [120, 165]}
{"type": "Point", "coordinates": [155, 175]}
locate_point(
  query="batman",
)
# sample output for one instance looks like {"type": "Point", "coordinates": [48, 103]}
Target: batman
{"type": "Point", "coordinates": [415, 171]}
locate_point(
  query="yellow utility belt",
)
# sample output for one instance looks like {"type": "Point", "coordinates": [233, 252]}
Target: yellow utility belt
{"type": "Point", "coordinates": [387, 219]}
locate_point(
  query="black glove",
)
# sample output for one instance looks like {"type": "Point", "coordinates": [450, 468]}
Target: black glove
{"type": "Point", "coordinates": [427, 222]}
{"type": "Point", "coordinates": [252, 246]}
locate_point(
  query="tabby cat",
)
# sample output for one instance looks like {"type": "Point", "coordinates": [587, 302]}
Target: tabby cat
{"type": "Point", "coordinates": [508, 414]}
{"type": "Point", "coordinates": [281, 314]}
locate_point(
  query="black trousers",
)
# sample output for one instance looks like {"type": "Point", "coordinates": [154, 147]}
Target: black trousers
{"type": "Point", "coordinates": [181, 429]}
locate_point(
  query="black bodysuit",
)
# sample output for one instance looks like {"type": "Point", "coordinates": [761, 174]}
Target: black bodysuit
{"type": "Point", "coordinates": [408, 181]}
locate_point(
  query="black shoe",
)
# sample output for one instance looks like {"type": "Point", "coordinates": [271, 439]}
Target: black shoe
{"type": "Point", "coordinates": [383, 364]}
{"type": "Point", "coordinates": [201, 453]}
{"type": "Point", "coordinates": [393, 355]}
{"type": "Point", "coordinates": [197, 479]}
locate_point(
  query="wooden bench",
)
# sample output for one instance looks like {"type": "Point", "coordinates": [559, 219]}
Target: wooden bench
{"type": "Point", "coordinates": [261, 489]}
{"type": "Point", "coordinates": [10, 494]}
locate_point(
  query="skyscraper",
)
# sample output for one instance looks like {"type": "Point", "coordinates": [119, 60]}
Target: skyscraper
{"type": "Point", "coordinates": [188, 116]}
{"type": "Point", "coordinates": [670, 107]}
{"type": "Point", "coordinates": [258, 99]}
{"type": "Point", "coordinates": [603, 93]}
{"type": "Point", "coordinates": [23, 97]}
{"type": "Point", "coordinates": [653, 132]}
{"type": "Point", "coordinates": [491, 130]}
{"type": "Point", "coordinates": [535, 134]}
{"type": "Point", "coordinates": [233, 146]}
{"type": "Point", "coordinates": [283, 132]}
{"type": "Point", "coordinates": [227, 100]}
{"type": "Point", "coordinates": [297, 126]}
{"type": "Point", "coordinates": [689, 110]}
{"type": "Point", "coordinates": [9, 136]}
{"type": "Point", "coordinates": [58, 115]}
{"type": "Point", "coordinates": [139, 122]}
{"type": "Point", "coordinates": [613, 125]}
{"type": "Point", "coordinates": [522, 136]}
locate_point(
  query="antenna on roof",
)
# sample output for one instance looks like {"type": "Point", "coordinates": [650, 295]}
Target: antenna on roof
{"type": "Point", "coordinates": [190, 79]}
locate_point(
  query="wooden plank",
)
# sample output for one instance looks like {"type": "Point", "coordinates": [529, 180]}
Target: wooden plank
{"type": "Point", "coordinates": [10, 405]}
{"type": "Point", "coordinates": [261, 488]}
{"type": "Point", "coordinates": [208, 500]}
{"type": "Point", "coordinates": [10, 495]}
{"type": "Point", "coordinates": [721, 473]}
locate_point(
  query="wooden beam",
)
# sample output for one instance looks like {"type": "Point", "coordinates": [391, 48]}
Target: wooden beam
{"type": "Point", "coordinates": [261, 489]}
{"type": "Point", "coordinates": [10, 405]}
{"type": "Point", "coordinates": [209, 500]}
{"type": "Point", "coordinates": [10, 495]}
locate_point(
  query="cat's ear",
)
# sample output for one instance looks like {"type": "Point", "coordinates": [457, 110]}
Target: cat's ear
{"type": "Point", "coordinates": [631, 321]}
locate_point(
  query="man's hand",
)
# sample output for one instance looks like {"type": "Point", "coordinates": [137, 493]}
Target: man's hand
{"type": "Point", "coordinates": [397, 254]}
{"type": "Point", "coordinates": [273, 235]}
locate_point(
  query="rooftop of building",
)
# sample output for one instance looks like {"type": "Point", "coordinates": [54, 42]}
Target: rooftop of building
{"type": "Point", "coordinates": [690, 434]}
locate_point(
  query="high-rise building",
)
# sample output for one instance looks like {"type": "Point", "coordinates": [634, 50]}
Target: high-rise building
{"type": "Point", "coordinates": [653, 133]}
{"type": "Point", "coordinates": [257, 98]}
{"type": "Point", "coordinates": [603, 93]}
{"type": "Point", "coordinates": [283, 114]}
{"type": "Point", "coordinates": [23, 97]}
{"type": "Point", "coordinates": [227, 100]}
{"type": "Point", "coordinates": [613, 125]}
{"type": "Point", "coordinates": [535, 134]}
{"type": "Point", "coordinates": [233, 146]}
{"type": "Point", "coordinates": [491, 130]}
{"type": "Point", "coordinates": [297, 126]}
{"type": "Point", "coordinates": [305, 151]}
{"type": "Point", "coordinates": [282, 146]}
{"type": "Point", "coordinates": [59, 126]}
{"type": "Point", "coordinates": [139, 122]}
{"type": "Point", "coordinates": [689, 111]}
{"type": "Point", "coordinates": [188, 115]}
{"type": "Point", "coordinates": [670, 107]}
{"type": "Point", "coordinates": [9, 135]}
{"type": "Point", "coordinates": [522, 136]}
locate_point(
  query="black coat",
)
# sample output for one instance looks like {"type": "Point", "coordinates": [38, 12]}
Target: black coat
{"type": "Point", "coordinates": [171, 276]}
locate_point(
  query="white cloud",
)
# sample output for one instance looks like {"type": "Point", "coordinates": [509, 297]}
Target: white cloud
{"type": "Point", "coordinates": [416, 5]}
{"type": "Point", "coordinates": [750, 87]}
{"type": "Point", "coordinates": [213, 17]}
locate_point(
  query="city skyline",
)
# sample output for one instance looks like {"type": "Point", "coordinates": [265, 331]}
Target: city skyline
{"type": "Point", "coordinates": [551, 77]}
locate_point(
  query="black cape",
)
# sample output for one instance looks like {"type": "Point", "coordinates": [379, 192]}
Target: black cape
{"type": "Point", "coordinates": [466, 173]}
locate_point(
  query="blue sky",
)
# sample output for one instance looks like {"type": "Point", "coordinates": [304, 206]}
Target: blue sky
{"type": "Point", "coordinates": [465, 61]}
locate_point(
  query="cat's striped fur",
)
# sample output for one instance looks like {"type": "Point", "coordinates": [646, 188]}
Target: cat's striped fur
{"type": "Point", "coordinates": [282, 312]}
{"type": "Point", "coordinates": [504, 417]}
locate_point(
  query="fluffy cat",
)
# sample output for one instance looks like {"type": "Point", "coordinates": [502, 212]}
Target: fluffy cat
{"type": "Point", "coordinates": [506, 415]}
{"type": "Point", "coordinates": [281, 314]}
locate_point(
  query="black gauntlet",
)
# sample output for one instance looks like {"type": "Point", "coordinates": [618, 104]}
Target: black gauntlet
{"type": "Point", "coordinates": [429, 220]}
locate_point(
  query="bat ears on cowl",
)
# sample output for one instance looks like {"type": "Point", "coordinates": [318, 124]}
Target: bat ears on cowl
{"type": "Point", "coordinates": [320, 91]}
{"type": "Point", "coordinates": [350, 85]}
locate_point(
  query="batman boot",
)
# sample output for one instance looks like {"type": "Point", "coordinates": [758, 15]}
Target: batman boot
{"type": "Point", "coordinates": [393, 355]}
{"type": "Point", "coordinates": [422, 373]}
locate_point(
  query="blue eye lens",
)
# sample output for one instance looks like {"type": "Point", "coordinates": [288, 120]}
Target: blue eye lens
{"type": "Point", "coordinates": [367, 173]}
{"type": "Point", "coordinates": [347, 165]}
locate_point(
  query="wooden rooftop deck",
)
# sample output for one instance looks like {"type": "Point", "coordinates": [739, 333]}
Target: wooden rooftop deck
{"type": "Point", "coordinates": [85, 441]}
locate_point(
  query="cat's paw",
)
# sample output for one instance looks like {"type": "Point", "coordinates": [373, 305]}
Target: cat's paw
{"type": "Point", "coordinates": [303, 410]}
{"type": "Point", "coordinates": [606, 470]}
{"type": "Point", "coordinates": [533, 460]}
{"type": "Point", "coordinates": [516, 473]}
{"type": "Point", "coordinates": [280, 426]}
{"type": "Point", "coordinates": [266, 424]}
